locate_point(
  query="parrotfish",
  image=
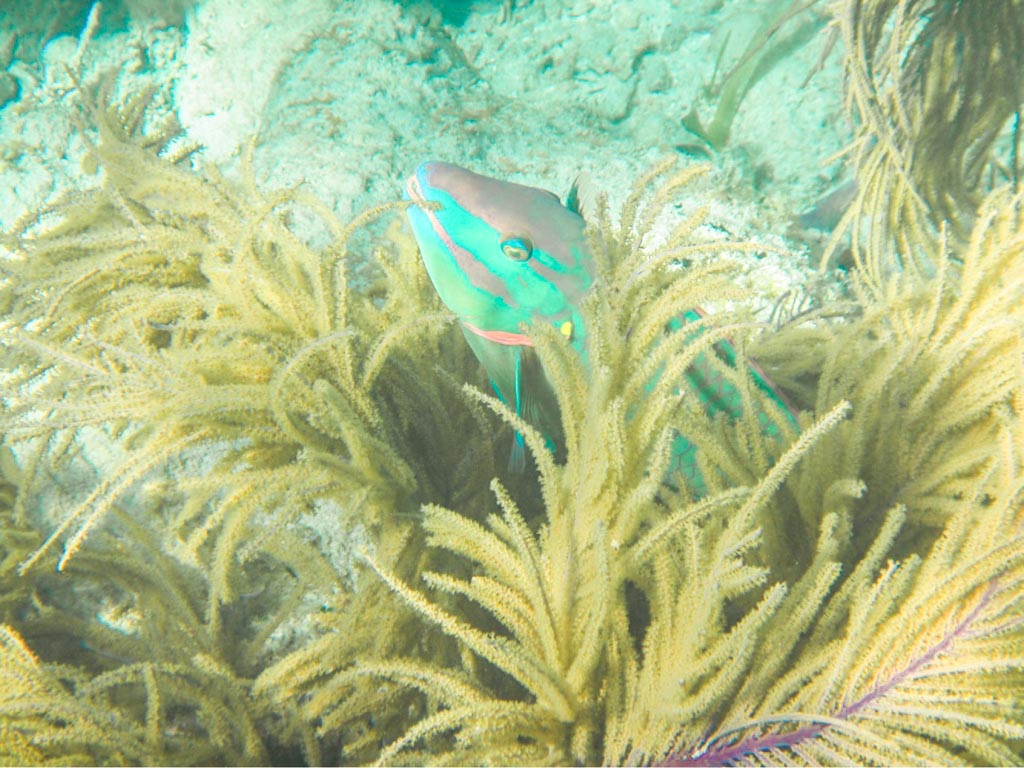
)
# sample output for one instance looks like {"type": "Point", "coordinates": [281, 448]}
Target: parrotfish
{"type": "Point", "coordinates": [504, 256]}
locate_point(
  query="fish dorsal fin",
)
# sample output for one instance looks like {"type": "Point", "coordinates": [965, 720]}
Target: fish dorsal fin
{"type": "Point", "coordinates": [580, 198]}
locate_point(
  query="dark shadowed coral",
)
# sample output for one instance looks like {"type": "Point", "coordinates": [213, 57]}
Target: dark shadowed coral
{"type": "Point", "coordinates": [937, 89]}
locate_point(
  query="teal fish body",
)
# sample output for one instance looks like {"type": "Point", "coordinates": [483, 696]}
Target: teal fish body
{"type": "Point", "coordinates": [504, 256]}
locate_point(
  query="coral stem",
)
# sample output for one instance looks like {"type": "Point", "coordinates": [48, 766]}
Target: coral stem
{"type": "Point", "coordinates": [724, 753]}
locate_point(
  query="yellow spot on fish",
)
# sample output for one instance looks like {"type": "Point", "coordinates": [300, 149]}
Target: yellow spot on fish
{"type": "Point", "coordinates": [566, 329]}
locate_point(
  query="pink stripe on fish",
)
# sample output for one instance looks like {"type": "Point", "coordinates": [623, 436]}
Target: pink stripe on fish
{"type": "Point", "coordinates": [507, 338]}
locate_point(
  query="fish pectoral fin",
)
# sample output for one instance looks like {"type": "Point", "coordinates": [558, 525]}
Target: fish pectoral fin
{"type": "Point", "coordinates": [519, 381]}
{"type": "Point", "coordinates": [539, 403]}
{"type": "Point", "coordinates": [517, 458]}
{"type": "Point", "coordinates": [503, 363]}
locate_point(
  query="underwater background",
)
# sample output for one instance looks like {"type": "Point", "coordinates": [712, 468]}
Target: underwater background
{"type": "Point", "coordinates": [255, 498]}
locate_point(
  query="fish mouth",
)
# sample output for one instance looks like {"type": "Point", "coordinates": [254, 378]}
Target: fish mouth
{"type": "Point", "coordinates": [428, 210]}
{"type": "Point", "coordinates": [413, 189]}
{"type": "Point", "coordinates": [414, 186]}
{"type": "Point", "coordinates": [414, 193]}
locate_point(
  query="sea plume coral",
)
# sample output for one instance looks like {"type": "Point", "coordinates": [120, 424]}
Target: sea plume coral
{"type": "Point", "coordinates": [847, 593]}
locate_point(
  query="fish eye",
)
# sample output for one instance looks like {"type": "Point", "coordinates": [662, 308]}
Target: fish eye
{"type": "Point", "coordinates": [517, 247]}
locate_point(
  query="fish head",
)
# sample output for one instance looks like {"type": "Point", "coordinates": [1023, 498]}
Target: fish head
{"type": "Point", "coordinates": [502, 256]}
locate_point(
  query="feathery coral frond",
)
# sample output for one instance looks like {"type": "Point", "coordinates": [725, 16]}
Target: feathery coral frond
{"type": "Point", "coordinates": [231, 416]}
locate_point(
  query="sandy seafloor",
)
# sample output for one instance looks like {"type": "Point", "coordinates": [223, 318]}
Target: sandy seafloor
{"type": "Point", "coordinates": [346, 98]}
